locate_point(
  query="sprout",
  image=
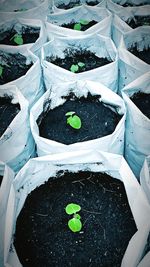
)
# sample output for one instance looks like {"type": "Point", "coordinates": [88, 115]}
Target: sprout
{"type": "Point", "coordinates": [17, 38]}
{"type": "Point", "coordinates": [78, 26]}
{"type": "Point", "coordinates": [73, 120]}
{"type": "Point", "coordinates": [74, 68]}
{"type": "Point", "coordinates": [74, 224]}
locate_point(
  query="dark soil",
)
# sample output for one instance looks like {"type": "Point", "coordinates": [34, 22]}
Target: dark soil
{"type": "Point", "coordinates": [8, 111]}
{"type": "Point", "coordinates": [16, 68]}
{"type": "Point", "coordinates": [92, 3]}
{"type": "Point", "coordinates": [128, 4]}
{"type": "Point", "coordinates": [142, 101]}
{"type": "Point", "coordinates": [29, 35]}
{"type": "Point", "coordinates": [97, 121]}
{"type": "Point", "coordinates": [143, 55]}
{"type": "Point", "coordinates": [83, 27]}
{"type": "Point", "coordinates": [90, 60]}
{"type": "Point", "coordinates": [43, 238]}
{"type": "Point", "coordinates": [1, 178]}
{"type": "Point", "coordinates": [70, 5]}
{"type": "Point", "coordinates": [139, 21]}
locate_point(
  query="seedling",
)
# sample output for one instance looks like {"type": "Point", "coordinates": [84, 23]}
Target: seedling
{"type": "Point", "coordinates": [74, 68]}
{"type": "Point", "coordinates": [78, 26]}
{"type": "Point", "coordinates": [1, 70]}
{"type": "Point", "coordinates": [21, 9]}
{"type": "Point", "coordinates": [74, 224]}
{"type": "Point", "coordinates": [73, 120]}
{"type": "Point", "coordinates": [17, 38]}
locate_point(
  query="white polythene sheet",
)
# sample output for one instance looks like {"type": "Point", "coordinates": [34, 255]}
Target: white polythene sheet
{"type": "Point", "coordinates": [88, 13]}
{"type": "Point", "coordinates": [37, 171]}
{"type": "Point", "coordinates": [130, 66]}
{"type": "Point", "coordinates": [52, 98]}
{"type": "Point", "coordinates": [5, 186]}
{"type": "Point", "coordinates": [137, 133]}
{"type": "Point", "coordinates": [16, 143]}
{"type": "Point", "coordinates": [30, 84]}
{"type": "Point", "coordinates": [101, 46]}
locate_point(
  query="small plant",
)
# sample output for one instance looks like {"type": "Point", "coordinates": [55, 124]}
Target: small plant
{"type": "Point", "coordinates": [21, 9]}
{"type": "Point", "coordinates": [17, 38]}
{"type": "Point", "coordinates": [2, 65]}
{"type": "Point", "coordinates": [1, 70]}
{"type": "Point", "coordinates": [73, 120]}
{"type": "Point", "coordinates": [74, 224]}
{"type": "Point", "coordinates": [78, 26]}
{"type": "Point", "coordinates": [75, 67]}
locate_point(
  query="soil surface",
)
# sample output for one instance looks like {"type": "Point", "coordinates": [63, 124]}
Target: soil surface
{"type": "Point", "coordinates": [43, 238]}
{"type": "Point", "coordinates": [139, 21]}
{"type": "Point", "coordinates": [1, 178]}
{"type": "Point", "coordinates": [90, 60]}
{"type": "Point", "coordinates": [83, 27]}
{"type": "Point", "coordinates": [92, 3]}
{"type": "Point", "coordinates": [14, 66]}
{"type": "Point", "coordinates": [129, 4]}
{"type": "Point", "coordinates": [8, 111]}
{"type": "Point", "coordinates": [70, 5]}
{"type": "Point", "coordinates": [142, 101]}
{"type": "Point", "coordinates": [29, 35]}
{"type": "Point", "coordinates": [97, 121]}
{"type": "Point", "coordinates": [143, 55]}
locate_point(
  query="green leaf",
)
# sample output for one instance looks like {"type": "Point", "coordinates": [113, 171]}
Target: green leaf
{"type": "Point", "coordinates": [77, 27]}
{"type": "Point", "coordinates": [75, 225]}
{"type": "Point", "coordinates": [70, 113]}
{"type": "Point", "coordinates": [18, 39]}
{"type": "Point", "coordinates": [77, 216]}
{"type": "Point", "coordinates": [84, 22]}
{"type": "Point", "coordinates": [74, 68]}
{"type": "Point", "coordinates": [1, 70]}
{"type": "Point", "coordinates": [81, 64]}
{"type": "Point", "coordinates": [74, 122]}
{"type": "Point", "coordinates": [72, 208]}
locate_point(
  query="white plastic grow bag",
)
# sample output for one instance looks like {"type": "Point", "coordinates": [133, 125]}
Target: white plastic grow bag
{"type": "Point", "coordinates": [119, 25]}
{"type": "Point", "coordinates": [130, 66]}
{"type": "Point", "coordinates": [145, 177]}
{"type": "Point", "coordinates": [37, 171]}
{"type": "Point", "coordinates": [16, 143]}
{"type": "Point", "coordinates": [100, 45]}
{"type": "Point", "coordinates": [33, 9]}
{"type": "Point", "coordinates": [101, 15]}
{"type": "Point", "coordinates": [113, 143]}
{"type": "Point", "coordinates": [56, 3]}
{"type": "Point", "coordinates": [137, 134]}
{"type": "Point", "coordinates": [5, 186]}
{"type": "Point", "coordinates": [17, 25]}
{"type": "Point", "coordinates": [115, 6]}
{"type": "Point", "coordinates": [30, 84]}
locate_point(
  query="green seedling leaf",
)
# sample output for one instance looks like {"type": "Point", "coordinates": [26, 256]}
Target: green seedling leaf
{"type": "Point", "coordinates": [77, 216]}
{"type": "Point", "coordinates": [84, 22]}
{"type": "Point", "coordinates": [1, 70]}
{"type": "Point", "coordinates": [74, 68]}
{"type": "Point", "coordinates": [72, 208]}
{"type": "Point", "coordinates": [81, 64]}
{"type": "Point", "coordinates": [70, 113]}
{"type": "Point", "coordinates": [74, 122]}
{"type": "Point", "coordinates": [75, 225]}
{"type": "Point", "coordinates": [77, 27]}
{"type": "Point", "coordinates": [17, 38]}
